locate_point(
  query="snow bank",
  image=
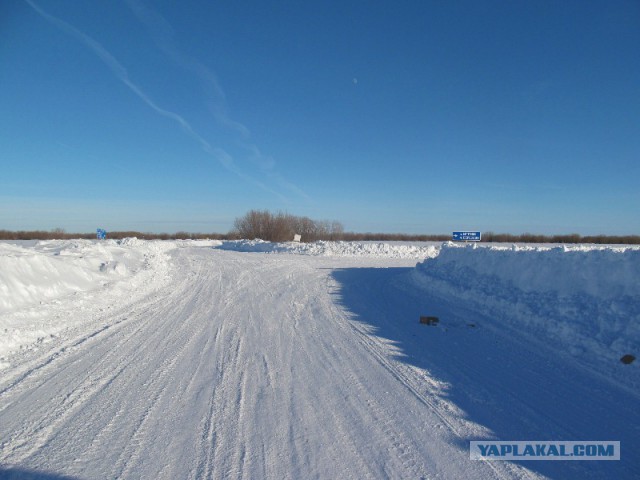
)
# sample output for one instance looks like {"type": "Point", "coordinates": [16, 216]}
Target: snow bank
{"type": "Point", "coordinates": [584, 298]}
{"type": "Point", "coordinates": [36, 278]}
{"type": "Point", "coordinates": [197, 243]}
{"type": "Point", "coordinates": [52, 269]}
{"type": "Point", "coordinates": [336, 249]}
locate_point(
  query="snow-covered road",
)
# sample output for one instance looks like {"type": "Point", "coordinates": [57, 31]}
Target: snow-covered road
{"type": "Point", "coordinates": [255, 365]}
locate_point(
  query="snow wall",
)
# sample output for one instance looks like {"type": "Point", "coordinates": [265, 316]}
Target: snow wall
{"type": "Point", "coordinates": [337, 249]}
{"type": "Point", "coordinates": [51, 269]}
{"type": "Point", "coordinates": [35, 277]}
{"type": "Point", "coordinates": [585, 299]}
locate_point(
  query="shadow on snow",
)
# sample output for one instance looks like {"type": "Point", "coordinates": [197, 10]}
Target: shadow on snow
{"type": "Point", "coordinates": [8, 473]}
{"type": "Point", "coordinates": [516, 390]}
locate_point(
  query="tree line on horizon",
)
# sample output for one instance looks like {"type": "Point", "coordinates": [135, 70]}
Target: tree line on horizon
{"type": "Point", "coordinates": [281, 227]}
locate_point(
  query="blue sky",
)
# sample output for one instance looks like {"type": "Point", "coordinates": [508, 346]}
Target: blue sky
{"type": "Point", "coordinates": [403, 116]}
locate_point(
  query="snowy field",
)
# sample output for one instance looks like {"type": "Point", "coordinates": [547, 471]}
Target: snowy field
{"type": "Point", "coordinates": [247, 359]}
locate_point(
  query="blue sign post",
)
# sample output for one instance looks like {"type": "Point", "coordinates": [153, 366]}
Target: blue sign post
{"type": "Point", "coordinates": [467, 236]}
{"type": "Point", "coordinates": [101, 234]}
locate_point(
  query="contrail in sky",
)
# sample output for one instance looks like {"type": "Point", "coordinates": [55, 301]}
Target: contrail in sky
{"type": "Point", "coordinates": [121, 73]}
{"type": "Point", "coordinates": [162, 34]}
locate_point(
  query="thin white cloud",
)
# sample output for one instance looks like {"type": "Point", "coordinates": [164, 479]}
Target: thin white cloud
{"type": "Point", "coordinates": [121, 73]}
{"type": "Point", "coordinates": [163, 34]}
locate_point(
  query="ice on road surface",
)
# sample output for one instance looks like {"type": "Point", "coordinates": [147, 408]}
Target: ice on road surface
{"type": "Point", "coordinates": [196, 361]}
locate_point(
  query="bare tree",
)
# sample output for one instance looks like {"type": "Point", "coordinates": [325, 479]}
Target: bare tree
{"type": "Point", "coordinates": [281, 227]}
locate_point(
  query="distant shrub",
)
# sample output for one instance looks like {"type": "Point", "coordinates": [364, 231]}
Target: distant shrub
{"type": "Point", "coordinates": [281, 227]}
{"type": "Point", "coordinates": [59, 234]}
{"type": "Point", "coordinates": [392, 237]}
{"type": "Point", "coordinates": [55, 234]}
{"type": "Point", "coordinates": [568, 238]}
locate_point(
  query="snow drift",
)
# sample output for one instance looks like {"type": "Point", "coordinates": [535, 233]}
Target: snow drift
{"type": "Point", "coordinates": [52, 269]}
{"type": "Point", "coordinates": [582, 298]}
{"type": "Point", "coordinates": [337, 249]}
{"type": "Point", "coordinates": [43, 283]}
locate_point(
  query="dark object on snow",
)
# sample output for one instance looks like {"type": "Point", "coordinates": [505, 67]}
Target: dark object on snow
{"type": "Point", "coordinates": [429, 320]}
{"type": "Point", "coordinates": [627, 359]}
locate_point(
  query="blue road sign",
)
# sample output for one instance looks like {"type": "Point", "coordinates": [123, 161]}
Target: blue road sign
{"type": "Point", "coordinates": [466, 236]}
{"type": "Point", "coordinates": [101, 234]}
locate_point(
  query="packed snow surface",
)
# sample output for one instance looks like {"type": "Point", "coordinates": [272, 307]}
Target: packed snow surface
{"type": "Point", "coordinates": [248, 359]}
